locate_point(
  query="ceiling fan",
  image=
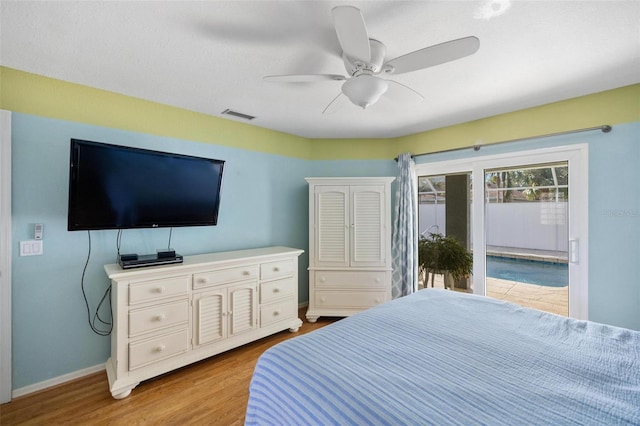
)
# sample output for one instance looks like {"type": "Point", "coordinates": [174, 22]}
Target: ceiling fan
{"type": "Point", "coordinates": [364, 60]}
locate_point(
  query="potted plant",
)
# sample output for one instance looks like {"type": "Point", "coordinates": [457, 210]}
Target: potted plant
{"type": "Point", "coordinates": [438, 254]}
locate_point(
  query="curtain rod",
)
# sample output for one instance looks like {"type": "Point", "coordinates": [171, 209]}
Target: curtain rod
{"type": "Point", "coordinates": [605, 128]}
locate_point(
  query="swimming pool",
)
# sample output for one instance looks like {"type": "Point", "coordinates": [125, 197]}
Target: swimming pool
{"type": "Point", "coordinates": [528, 271]}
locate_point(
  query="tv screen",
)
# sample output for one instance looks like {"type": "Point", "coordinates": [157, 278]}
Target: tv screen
{"type": "Point", "coordinates": [118, 187]}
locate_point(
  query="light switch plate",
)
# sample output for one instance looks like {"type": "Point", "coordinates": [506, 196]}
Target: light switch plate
{"type": "Point", "coordinates": [31, 248]}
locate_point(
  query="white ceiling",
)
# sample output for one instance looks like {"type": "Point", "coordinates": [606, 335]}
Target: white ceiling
{"type": "Point", "coordinates": [207, 56]}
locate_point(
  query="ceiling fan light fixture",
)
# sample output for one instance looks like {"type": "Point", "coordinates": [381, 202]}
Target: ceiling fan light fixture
{"type": "Point", "coordinates": [364, 90]}
{"type": "Point", "coordinates": [365, 58]}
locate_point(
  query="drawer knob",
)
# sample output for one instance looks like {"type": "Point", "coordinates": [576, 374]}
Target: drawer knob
{"type": "Point", "coordinates": [161, 348]}
{"type": "Point", "coordinates": [322, 279]}
{"type": "Point", "coordinates": [378, 300]}
{"type": "Point", "coordinates": [161, 317]}
{"type": "Point", "coordinates": [202, 280]}
{"type": "Point", "coordinates": [322, 300]}
{"type": "Point", "coordinates": [276, 269]}
{"type": "Point", "coordinates": [378, 280]}
{"type": "Point", "coordinates": [276, 313]}
{"type": "Point", "coordinates": [160, 289]}
{"type": "Point", "coordinates": [276, 290]}
{"type": "Point", "coordinates": [246, 273]}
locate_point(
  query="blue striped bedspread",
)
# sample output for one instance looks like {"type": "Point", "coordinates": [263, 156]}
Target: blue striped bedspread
{"type": "Point", "coordinates": [439, 357]}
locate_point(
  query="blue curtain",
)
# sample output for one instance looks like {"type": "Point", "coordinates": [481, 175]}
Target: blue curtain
{"type": "Point", "coordinates": [405, 230]}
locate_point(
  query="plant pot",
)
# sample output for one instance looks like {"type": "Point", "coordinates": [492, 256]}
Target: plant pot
{"type": "Point", "coordinates": [438, 253]}
{"type": "Point", "coordinates": [449, 282]}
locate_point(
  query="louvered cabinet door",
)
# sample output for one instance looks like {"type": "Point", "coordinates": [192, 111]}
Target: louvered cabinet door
{"type": "Point", "coordinates": [242, 308]}
{"type": "Point", "coordinates": [368, 232]}
{"type": "Point", "coordinates": [331, 226]}
{"type": "Point", "coordinates": [210, 317]}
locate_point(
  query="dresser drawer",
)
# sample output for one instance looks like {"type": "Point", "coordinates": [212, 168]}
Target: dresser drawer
{"type": "Point", "coordinates": [225, 276]}
{"type": "Point", "coordinates": [351, 279]}
{"type": "Point", "coordinates": [274, 290]}
{"type": "Point", "coordinates": [348, 299]}
{"type": "Point", "coordinates": [147, 291]}
{"type": "Point", "coordinates": [281, 268]}
{"type": "Point", "coordinates": [158, 317]}
{"type": "Point", "coordinates": [159, 348]}
{"type": "Point", "coordinates": [278, 311]}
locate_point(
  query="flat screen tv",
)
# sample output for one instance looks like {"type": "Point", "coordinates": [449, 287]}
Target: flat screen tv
{"type": "Point", "coordinates": [118, 187]}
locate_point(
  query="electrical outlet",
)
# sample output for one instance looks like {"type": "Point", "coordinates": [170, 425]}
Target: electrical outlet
{"type": "Point", "coordinates": [31, 248]}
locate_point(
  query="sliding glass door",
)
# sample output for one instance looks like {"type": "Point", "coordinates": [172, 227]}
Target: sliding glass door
{"type": "Point", "coordinates": [444, 209]}
{"type": "Point", "coordinates": [528, 204]}
{"type": "Point", "coordinates": [526, 226]}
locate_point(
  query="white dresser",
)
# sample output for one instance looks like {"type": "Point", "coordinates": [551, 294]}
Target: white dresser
{"type": "Point", "coordinates": [169, 316]}
{"type": "Point", "coordinates": [349, 245]}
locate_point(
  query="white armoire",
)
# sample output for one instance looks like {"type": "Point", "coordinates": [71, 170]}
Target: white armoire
{"type": "Point", "coordinates": [349, 245]}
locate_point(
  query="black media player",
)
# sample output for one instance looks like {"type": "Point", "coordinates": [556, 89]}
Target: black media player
{"type": "Point", "coordinates": [148, 260]}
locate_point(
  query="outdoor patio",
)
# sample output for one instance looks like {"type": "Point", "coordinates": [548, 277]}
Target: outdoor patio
{"type": "Point", "coordinates": [549, 299]}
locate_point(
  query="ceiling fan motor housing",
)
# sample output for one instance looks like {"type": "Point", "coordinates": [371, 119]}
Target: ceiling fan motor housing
{"type": "Point", "coordinates": [378, 52]}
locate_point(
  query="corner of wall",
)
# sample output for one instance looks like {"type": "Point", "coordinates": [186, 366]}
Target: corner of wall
{"type": "Point", "coordinates": [352, 149]}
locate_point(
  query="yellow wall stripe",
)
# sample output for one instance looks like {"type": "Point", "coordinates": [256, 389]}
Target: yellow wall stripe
{"type": "Point", "coordinates": [611, 107]}
{"type": "Point", "coordinates": [43, 96]}
{"type": "Point", "coordinates": [352, 149]}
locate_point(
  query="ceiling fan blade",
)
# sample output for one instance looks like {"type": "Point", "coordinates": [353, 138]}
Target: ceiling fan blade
{"type": "Point", "coordinates": [433, 55]}
{"type": "Point", "coordinates": [304, 78]}
{"type": "Point", "coordinates": [352, 33]}
{"type": "Point", "coordinates": [399, 93]}
{"type": "Point", "coordinates": [337, 103]}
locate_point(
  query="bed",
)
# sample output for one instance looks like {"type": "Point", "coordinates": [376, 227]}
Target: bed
{"type": "Point", "coordinates": [440, 357]}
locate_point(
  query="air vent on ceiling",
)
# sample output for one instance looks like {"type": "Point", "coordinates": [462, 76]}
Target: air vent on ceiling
{"type": "Point", "coordinates": [238, 114]}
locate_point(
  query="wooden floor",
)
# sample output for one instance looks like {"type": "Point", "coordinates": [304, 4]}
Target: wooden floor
{"type": "Point", "coordinates": [210, 392]}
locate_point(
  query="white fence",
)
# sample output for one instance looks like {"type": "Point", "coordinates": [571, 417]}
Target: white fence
{"type": "Point", "coordinates": [539, 225]}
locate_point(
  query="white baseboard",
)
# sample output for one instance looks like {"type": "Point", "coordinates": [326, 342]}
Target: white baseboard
{"type": "Point", "coordinates": [57, 380]}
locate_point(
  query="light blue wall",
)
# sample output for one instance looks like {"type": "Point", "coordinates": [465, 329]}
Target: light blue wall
{"type": "Point", "coordinates": [354, 168]}
{"type": "Point", "coordinates": [264, 202]}
{"type": "Point", "coordinates": [614, 227]}
{"type": "Point", "coordinates": [614, 216]}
